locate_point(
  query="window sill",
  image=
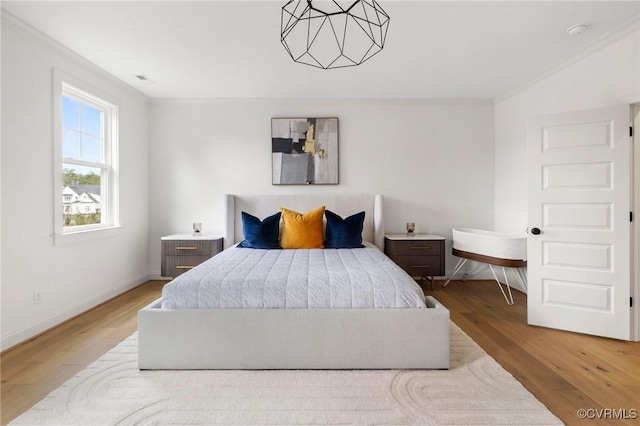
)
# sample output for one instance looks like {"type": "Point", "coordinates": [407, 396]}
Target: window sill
{"type": "Point", "coordinates": [86, 235]}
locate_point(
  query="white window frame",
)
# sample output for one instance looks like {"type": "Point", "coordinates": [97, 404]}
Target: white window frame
{"type": "Point", "coordinates": [66, 85]}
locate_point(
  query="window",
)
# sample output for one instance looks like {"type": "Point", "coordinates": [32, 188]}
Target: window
{"type": "Point", "coordinates": [86, 161]}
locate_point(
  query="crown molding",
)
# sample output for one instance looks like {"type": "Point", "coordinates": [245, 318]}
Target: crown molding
{"type": "Point", "coordinates": [333, 101]}
{"type": "Point", "coordinates": [11, 21]}
{"type": "Point", "coordinates": [599, 44]}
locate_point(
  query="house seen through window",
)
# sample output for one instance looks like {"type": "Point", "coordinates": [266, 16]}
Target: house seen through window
{"type": "Point", "coordinates": [88, 172]}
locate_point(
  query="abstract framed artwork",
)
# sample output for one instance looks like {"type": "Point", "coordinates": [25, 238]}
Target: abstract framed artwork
{"type": "Point", "coordinates": [304, 151]}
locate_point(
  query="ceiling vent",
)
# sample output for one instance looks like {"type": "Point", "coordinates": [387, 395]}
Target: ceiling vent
{"type": "Point", "coordinates": [144, 79]}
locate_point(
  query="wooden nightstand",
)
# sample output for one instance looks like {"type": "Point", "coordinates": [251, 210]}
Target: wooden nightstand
{"type": "Point", "coordinates": [421, 255]}
{"type": "Point", "coordinates": [182, 252]}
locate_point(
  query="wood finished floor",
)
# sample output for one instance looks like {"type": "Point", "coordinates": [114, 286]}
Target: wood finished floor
{"type": "Point", "coordinates": [565, 371]}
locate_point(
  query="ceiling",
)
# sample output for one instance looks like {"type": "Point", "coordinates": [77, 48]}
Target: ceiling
{"type": "Point", "coordinates": [232, 49]}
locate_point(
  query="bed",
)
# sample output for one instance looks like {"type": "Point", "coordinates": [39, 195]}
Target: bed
{"type": "Point", "coordinates": [332, 337]}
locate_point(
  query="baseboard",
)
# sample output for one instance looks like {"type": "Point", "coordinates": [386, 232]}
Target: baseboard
{"type": "Point", "coordinates": [38, 327]}
{"type": "Point", "coordinates": [156, 276]}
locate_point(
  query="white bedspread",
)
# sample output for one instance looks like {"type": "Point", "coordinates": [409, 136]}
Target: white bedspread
{"type": "Point", "coordinates": [317, 278]}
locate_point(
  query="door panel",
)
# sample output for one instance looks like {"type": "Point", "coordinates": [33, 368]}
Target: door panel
{"type": "Point", "coordinates": [574, 295]}
{"type": "Point", "coordinates": [580, 197]}
{"type": "Point", "coordinates": [572, 136]}
{"type": "Point", "coordinates": [578, 176]}
{"type": "Point", "coordinates": [583, 216]}
{"type": "Point", "coordinates": [594, 257]}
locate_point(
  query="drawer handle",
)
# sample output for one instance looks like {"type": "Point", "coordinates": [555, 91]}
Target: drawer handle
{"type": "Point", "coordinates": [419, 247]}
{"type": "Point", "coordinates": [184, 267]}
{"type": "Point", "coordinates": [186, 248]}
{"type": "Point", "coordinates": [420, 266]}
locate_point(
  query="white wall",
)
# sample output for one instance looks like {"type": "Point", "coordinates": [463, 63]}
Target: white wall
{"type": "Point", "coordinates": [607, 77]}
{"type": "Point", "coordinates": [433, 161]}
{"type": "Point", "coordinates": [75, 277]}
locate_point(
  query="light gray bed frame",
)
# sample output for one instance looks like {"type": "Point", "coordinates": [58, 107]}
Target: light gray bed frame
{"type": "Point", "coordinates": [296, 338]}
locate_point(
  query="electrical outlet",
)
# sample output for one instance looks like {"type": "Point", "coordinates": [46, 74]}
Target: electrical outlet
{"type": "Point", "coordinates": [37, 296]}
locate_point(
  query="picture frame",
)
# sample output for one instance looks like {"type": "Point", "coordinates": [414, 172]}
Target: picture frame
{"type": "Point", "coordinates": [304, 151]}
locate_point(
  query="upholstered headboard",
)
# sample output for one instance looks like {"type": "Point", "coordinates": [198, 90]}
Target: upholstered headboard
{"type": "Point", "coordinates": [262, 206]}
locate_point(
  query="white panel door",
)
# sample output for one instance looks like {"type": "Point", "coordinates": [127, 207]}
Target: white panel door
{"type": "Point", "coordinates": [579, 226]}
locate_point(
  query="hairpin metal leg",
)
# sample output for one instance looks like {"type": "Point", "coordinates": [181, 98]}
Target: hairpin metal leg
{"type": "Point", "coordinates": [504, 272]}
{"type": "Point", "coordinates": [459, 265]}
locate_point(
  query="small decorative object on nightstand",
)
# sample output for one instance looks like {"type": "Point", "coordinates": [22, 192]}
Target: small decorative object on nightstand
{"type": "Point", "coordinates": [421, 255]}
{"type": "Point", "coordinates": [411, 228]}
{"type": "Point", "coordinates": [181, 252]}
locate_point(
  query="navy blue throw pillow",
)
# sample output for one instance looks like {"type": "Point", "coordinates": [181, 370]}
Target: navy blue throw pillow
{"type": "Point", "coordinates": [343, 233]}
{"type": "Point", "coordinates": [260, 234]}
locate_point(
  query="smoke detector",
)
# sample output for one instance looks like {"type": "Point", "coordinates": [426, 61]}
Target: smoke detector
{"type": "Point", "coordinates": [576, 29]}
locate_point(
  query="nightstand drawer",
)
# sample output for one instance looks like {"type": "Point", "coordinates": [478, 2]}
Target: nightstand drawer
{"type": "Point", "coordinates": [413, 247]}
{"type": "Point", "coordinates": [176, 265]}
{"type": "Point", "coordinates": [189, 248]}
{"type": "Point", "coordinates": [421, 265]}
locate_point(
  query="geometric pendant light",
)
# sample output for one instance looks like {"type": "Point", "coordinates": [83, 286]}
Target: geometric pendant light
{"type": "Point", "coordinates": [333, 34]}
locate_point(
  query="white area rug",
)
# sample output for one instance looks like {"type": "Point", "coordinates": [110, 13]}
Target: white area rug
{"type": "Point", "coordinates": [112, 391]}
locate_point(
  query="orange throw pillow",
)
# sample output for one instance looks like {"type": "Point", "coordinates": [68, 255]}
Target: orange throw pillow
{"type": "Point", "coordinates": [302, 230]}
